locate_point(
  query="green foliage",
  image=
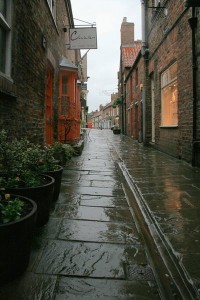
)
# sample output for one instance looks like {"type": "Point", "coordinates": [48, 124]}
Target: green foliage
{"type": "Point", "coordinates": [117, 102]}
{"type": "Point", "coordinates": [62, 152]}
{"type": "Point", "coordinates": [10, 209]}
{"type": "Point", "coordinates": [21, 161]}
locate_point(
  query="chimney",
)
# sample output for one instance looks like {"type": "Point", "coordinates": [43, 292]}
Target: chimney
{"type": "Point", "coordinates": [127, 32]}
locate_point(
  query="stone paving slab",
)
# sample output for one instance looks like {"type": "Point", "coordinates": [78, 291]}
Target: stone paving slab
{"type": "Point", "coordinates": [88, 259]}
{"type": "Point", "coordinates": [93, 213]}
{"type": "Point", "coordinates": [91, 231]}
{"type": "Point", "coordinates": [98, 177]}
{"type": "Point", "coordinates": [100, 191]}
{"type": "Point", "coordinates": [87, 289]}
{"type": "Point", "coordinates": [87, 200]}
{"type": "Point", "coordinates": [191, 262]}
{"type": "Point", "coordinates": [68, 198]}
{"type": "Point", "coordinates": [30, 286]}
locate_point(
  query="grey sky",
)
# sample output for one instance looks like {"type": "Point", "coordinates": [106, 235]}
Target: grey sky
{"type": "Point", "coordinates": [103, 63]}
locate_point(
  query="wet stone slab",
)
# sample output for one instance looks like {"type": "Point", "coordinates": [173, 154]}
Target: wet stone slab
{"type": "Point", "coordinates": [87, 289]}
{"type": "Point", "coordinates": [93, 213]}
{"type": "Point", "coordinates": [29, 287]}
{"type": "Point", "coordinates": [185, 242]}
{"type": "Point", "coordinates": [70, 175]}
{"type": "Point", "coordinates": [103, 173]}
{"type": "Point", "coordinates": [87, 200]}
{"type": "Point", "coordinates": [105, 183]}
{"type": "Point", "coordinates": [88, 259]}
{"type": "Point", "coordinates": [191, 263]}
{"type": "Point", "coordinates": [50, 230]}
{"type": "Point", "coordinates": [100, 191]}
{"type": "Point", "coordinates": [98, 177]}
{"type": "Point", "coordinates": [68, 198]}
{"type": "Point", "coordinates": [91, 231]}
{"type": "Point", "coordinates": [171, 202]}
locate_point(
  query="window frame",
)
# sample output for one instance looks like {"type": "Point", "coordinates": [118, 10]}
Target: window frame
{"type": "Point", "coordinates": [52, 7]}
{"type": "Point", "coordinates": [167, 80]}
{"type": "Point", "coordinates": [5, 23]}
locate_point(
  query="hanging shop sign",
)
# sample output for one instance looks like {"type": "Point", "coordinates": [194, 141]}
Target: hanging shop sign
{"type": "Point", "coordinates": [83, 38]}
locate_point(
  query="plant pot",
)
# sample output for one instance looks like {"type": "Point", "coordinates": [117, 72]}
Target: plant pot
{"type": "Point", "coordinates": [42, 195]}
{"type": "Point", "coordinates": [57, 175]}
{"type": "Point", "coordinates": [15, 241]}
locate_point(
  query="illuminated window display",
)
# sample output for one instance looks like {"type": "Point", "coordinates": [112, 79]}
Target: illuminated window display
{"type": "Point", "coordinates": [169, 104]}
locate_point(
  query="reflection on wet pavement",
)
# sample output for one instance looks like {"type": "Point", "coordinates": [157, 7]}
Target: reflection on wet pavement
{"type": "Point", "coordinates": [91, 247]}
{"type": "Point", "coordinates": [171, 191]}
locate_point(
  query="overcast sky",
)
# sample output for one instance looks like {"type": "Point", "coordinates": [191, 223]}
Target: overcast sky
{"type": "Point", "coordinates": [103, 63]}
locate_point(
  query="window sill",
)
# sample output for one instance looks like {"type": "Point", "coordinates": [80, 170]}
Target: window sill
{"type": "Point", "coordinates": [7, 87]}
{"type": "Point", "coordinates": [169, 126]}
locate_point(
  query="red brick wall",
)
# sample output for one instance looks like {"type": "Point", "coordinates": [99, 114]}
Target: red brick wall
{"type": "Point", "coordinates": [23, 115]}
{"type": "Point", "coordinates": [169, 40]}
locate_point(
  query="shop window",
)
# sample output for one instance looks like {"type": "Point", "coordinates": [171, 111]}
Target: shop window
{"type": "Point", "coordinates": [169, 99]}
{"type": "Point", "coordinates": [5, 36]}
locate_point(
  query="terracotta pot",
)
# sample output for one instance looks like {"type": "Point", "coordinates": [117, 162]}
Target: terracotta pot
{"type": "Point", "coordinates": [42, 195]}
{"type": "Point", "coordinates": [15, 241]}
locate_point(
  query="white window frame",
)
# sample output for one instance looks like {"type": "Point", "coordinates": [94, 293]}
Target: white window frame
{"type": "Point", "coordinates": [156, 3]}
{"type": "Point", "coordinates": [168, 79]}
{"type": "Point", "coordinates": [5, 23]}
{"type": "Point", "coordinates": [52, 6]}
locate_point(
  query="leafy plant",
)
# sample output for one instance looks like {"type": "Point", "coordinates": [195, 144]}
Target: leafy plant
{"type": "Point", "coordinates": [10, 209]}
{"type": "Point", "coordinates": [47, 160]}
{"type": "Point", "coordinates": [62, 152]}
{"type": "Point", "coordinates": [21, 161]}
{"type": "Point", "coordinates": [18, 161]}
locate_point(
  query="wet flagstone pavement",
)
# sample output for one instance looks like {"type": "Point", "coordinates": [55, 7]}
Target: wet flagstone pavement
{"type": "Point", "coordinates": [91, 247]}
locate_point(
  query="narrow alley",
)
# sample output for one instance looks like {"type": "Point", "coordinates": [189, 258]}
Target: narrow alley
{"type": "Point", "coordinates": [121, 208]}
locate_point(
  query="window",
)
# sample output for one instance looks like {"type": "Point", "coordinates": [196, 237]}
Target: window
{"type": "Point", "coordinates": [5, 36]}
{"type": "Point", "coordinates": [156, 3]}
{"type": "Point", "coordinates": [52, 6]}
{"type": "Point", "coordinates": [64, 107]}
{"type": "Point", "coordinates": [169, 105]}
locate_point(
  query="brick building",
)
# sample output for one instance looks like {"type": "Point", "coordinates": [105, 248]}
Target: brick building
{"type": "Point", "coordinates": [133, 91]}
{"type": "Point", "coordinates": [129, 50]}
{"type": "Point", "coordinates": [172, 117]}
{"type": "Point", "coordinates": [38, 73]}
{"type": "Point", "coordinates": [161, 88]}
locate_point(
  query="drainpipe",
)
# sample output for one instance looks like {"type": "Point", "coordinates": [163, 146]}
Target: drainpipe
{"type": "Point", "coordinates": [193, 24]}
{"type": "Point", "coordinates": [144, 52]}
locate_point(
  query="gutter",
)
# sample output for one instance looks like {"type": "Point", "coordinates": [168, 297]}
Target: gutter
{"type": "Point", "coordinates": [193, 24]}
{"type": "Point", "coordinates": [145, 54]}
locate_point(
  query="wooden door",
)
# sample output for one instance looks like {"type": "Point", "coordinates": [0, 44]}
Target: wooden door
{"type": "Point", "coordinates": [49, 106]}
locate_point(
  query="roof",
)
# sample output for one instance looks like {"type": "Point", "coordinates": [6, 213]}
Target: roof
{"type": "Point", "coordinates": [129, 54]}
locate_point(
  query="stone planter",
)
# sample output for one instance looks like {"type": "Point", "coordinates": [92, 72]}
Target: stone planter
{"type": "Point", "coordinates": [15, 241]}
